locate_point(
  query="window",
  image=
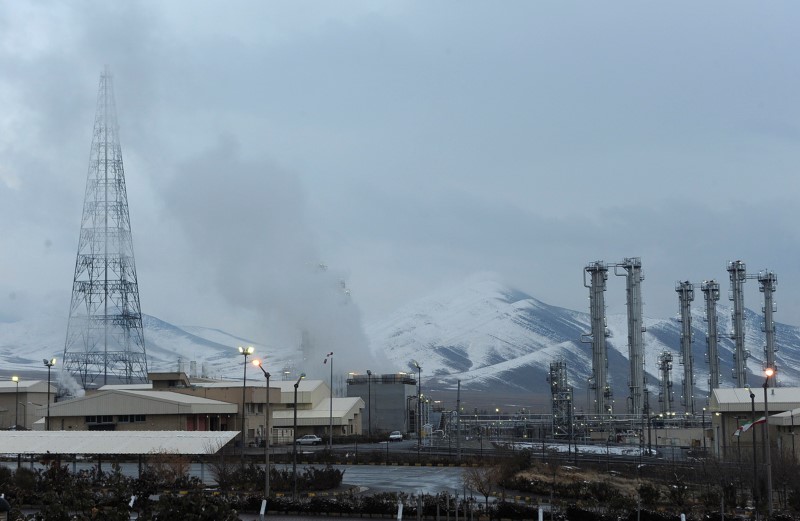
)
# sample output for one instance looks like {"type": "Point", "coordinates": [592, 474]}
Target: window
{"type": "Point", "coordinates": [100, 419]}
{"type": "Point", "coordinates": [123, 418]}
{"type": "Point", "coordinates": [139, 418]}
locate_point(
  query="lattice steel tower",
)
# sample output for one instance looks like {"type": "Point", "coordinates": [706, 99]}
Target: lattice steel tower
{"type": "Point", "coordinates": [105, 336]}
{"type": "Point", "coordinates": [767, 284]}
{"type": "Point", "coordinates": [710, 289]}
{"type": "Point", "coordinates": [686, 296]}
{"type": "Point", "coordinates": [562, 399]}
{"type": "Point", "coordinates": [633, 284]}
{"type": "Point", "coordinates": [738, 275]}
{"type": "Point", "coordinates": [597, 307]}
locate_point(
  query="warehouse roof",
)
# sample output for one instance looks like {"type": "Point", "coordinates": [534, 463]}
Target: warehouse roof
{"type": "Point", "coordinates": [114, 442]}
{"type": "Point", "coordinates": [738, 399]}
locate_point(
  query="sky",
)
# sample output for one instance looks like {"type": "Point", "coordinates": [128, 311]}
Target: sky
{"type": "Point", "coordinates": [404, 146]}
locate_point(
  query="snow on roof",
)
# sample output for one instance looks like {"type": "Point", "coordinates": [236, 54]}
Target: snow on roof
{"type": "Point", "coordinates": [114, 442]}
{"type": "Point", "coordinates": [130, 387]}
{"type": "Point", "coordinates": [738, 399]}
{"type": "Point", "coordinates": [7, 386]}
{"type": "Point", "coordinates": [342, 408]}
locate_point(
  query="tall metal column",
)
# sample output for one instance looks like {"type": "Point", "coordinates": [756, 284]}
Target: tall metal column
{"type": "Point", "coordinates": [738, 275]}
{"type": "Point", "coordinates": [686, 296]}
{"type": "Point", "coordinates": [105, 336]}
{"type": "Point", "coordinates": [767, 284]}
{"type": "Point", "coordinates": [602, 391]}
{"type": "Point", "coordinates": [710, 289]}
{"type": "Point", "coordinates": [665, 391]}
{"type": "Point", "coordinates": [633, 278]}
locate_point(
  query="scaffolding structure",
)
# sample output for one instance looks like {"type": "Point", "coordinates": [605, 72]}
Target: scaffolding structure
{"type": "Point", "coordinates": [685, 292]}
{"type": "Point", "coordinates": [767, 284]}
{"type": "Point", "coordinates": [598, 272]}
{"type": "Point", "coordinates": [633, 290]}
{"type": "Point", "coordinates": [710, 289]}
{"type": "Point", "coordinates": [562, 394]}
{"type": "Point", "coordinates": [105, 336]}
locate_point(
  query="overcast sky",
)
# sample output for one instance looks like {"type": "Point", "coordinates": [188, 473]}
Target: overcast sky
{"type": "Point", "coordinates": [405, 145]}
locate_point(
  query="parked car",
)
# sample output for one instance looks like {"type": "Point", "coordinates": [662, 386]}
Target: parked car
{"type": "Point", "coordinates": [395, 436]}
{"type": "Point", "coordinates": [309, 439]}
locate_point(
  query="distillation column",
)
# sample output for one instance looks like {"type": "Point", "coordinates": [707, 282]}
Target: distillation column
{"type": "Point", "coordinates": [634, 278]}
{"type": "Point", "coordinates": [767, 284]}
{"type": "Point", "coordinates": [738, 275]}
{"type": "Point", "coordinates": [710, 289]}
{"type": "Point", "coordinates": [686, 296]}
{"type": "Point", "coordinates": [562, 399]}
{"type": "Point", "coordinates": [665, 392]}
{"type": "Point", "coordinates": [597, 307]}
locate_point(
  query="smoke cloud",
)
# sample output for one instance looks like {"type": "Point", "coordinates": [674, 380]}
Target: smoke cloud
{"type": "Point", "coordinates": [245, 220]}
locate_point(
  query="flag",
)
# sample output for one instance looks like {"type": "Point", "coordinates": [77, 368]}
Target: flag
{"type": "Point", "coordinates": [746, 426]}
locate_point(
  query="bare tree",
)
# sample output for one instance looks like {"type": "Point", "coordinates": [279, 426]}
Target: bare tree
{"type": "Point", "coordinates": [483, 480]}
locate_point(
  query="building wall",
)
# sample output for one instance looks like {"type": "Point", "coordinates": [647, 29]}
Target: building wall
{"type": "Point", "coordinates": [152, 422]}
{"type": "Point", "coordinates": [254, 410]}
{"type": "Point", "coordinates": [27, 411]}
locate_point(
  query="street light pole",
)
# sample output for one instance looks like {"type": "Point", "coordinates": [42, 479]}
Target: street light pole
{"type": "Point", "coordinates": [768, 372]}
{"type": "Point", "coordinates": [419, 404]}
{"type": "Point", "coordinates": [260, 365]}
{"type": "Point", "coordinates": [755, 454]}
{"type": "Point", "coordinates": [246, 351]}
{"type": "Point", "coordinates": [15, 379]}
{"type": "Point", "coordinates": [329, 356]}
{"type": "Point", "coordinates": [294, 445]}
{"type": "Point", "coordinates": [49, 364]}
{"type": "Point", "coordinates": [703, 430]}
{"type": "Point", "coordinates": [369, 404]}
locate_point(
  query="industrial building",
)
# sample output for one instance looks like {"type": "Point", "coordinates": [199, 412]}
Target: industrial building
{"type": "Point", "coordinates": [732, 410]}
{"type": "Point", "coordinates": [391, 402]}
{"type": "Point", "coordinates": [19, 401]}
{"type": "Point", "coordinates": [173, 401]}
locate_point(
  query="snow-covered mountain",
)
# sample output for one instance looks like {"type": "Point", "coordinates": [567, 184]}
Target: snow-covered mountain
{"type": "Point", "coordinates": [499, 339]}
{"type": "Point", "coordinates": [24, 343]}
{"type": "Point", "coordinates": [488, 335]}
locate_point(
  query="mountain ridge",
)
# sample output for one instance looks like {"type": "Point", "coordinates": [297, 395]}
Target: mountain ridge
{"type": "Point", "coordinates": [492, 337]}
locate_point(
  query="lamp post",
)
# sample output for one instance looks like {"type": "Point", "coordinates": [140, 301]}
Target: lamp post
{"type": "Point", "coordinates": [755, 454]}
{"type": "Point", "coordinates": [329, 356]}
{"type": "Point", "coordinates": [419, 404]}
{"type": "Point", "coordinates": [245, 351]}
{"type": "Point", "coordinates": [15, 379]}
{"type": "Point", "coordinates": [49, 364]}
{"type": "Point", "coordinates": [294, 445]}
{"type": "Point", "coordinates": [369, 404]}
{"type": "Point", "coordinates": [768, 372]}
{"type": "Point", "coordinates": [703, 431]}
{"type": "Point", "coordinates": [259, 364]}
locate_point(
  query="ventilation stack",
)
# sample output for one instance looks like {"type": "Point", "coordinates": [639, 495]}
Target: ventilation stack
{"type": "Point", "coordinates": [767, 284]}
{"type": "Point", "coordinates": [599, 380]}
{"type": "Point", "coordinates": [738, 275]}
{"type": "Point", "coordinates": [105, 336]}
{"type": "Point", "coordinates": [665, 392]}
{"type": "Point", "coordinates": [633, 279]}
{"type": "Point", "coordinates": [562, 399]}
{"type": "Point", "coordinates": [710, 289]}
{"type": "Point", "coordinates": [686, 296]}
